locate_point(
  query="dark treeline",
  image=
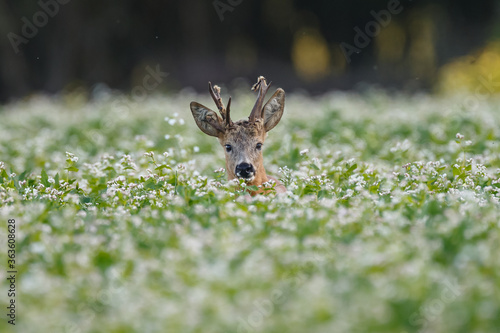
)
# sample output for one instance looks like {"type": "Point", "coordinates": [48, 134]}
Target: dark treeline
{"type": "Point", "coordinates": [60, 45]}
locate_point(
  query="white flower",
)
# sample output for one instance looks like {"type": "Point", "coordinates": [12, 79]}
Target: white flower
{"type": "Point", "coordinates": [304, 152]}
{"type": "Point", "coordinates": [71, 157]}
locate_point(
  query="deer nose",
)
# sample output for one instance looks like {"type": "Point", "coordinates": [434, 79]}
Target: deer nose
{"type": "Point", "coordinates": [245, 170]}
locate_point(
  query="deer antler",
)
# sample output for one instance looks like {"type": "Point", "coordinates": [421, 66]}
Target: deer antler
{"type": "Point", "coordinates": [257, 109]}
{"type": "Point", "coordinates": [229, 122]}
{"type": "Point", "coordinates": [225, 113]}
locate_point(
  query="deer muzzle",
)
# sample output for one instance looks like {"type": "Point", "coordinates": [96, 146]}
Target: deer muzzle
{"type": "Point", "coordinates": [245, 171]}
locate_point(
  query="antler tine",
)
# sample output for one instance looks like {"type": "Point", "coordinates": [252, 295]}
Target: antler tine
{"type": "Point", "coordinates": [257, 109]}
{"type": "Point", "coordinates": [215, 93]}
{"type": "Point", "coordinates": [229, 122]}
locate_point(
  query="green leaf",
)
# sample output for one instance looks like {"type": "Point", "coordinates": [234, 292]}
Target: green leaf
{"type": "Point", "coordinates": [163, 166]}
{"type": "Point", "coordinates": [45, 179]}
{"type": "Point", "coordinates": [4, 174]}
{"type": "Point", "coordinates": [56, 181]}
{"type": "Point", "coordinates": [150, 184]}
{"type": "Point", "coordinates": [23, 175]}
{"type": "Point", "coordinates": [313, 166]}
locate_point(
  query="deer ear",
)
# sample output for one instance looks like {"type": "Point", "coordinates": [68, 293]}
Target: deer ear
{"type": "Point", "coordinates": [273, 110]}
{"type": "Point", "coordinates": [207, 120]}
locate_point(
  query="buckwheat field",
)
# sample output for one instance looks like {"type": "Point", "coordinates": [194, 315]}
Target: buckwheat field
{"type": "Point", "coordinates": [125, 221]}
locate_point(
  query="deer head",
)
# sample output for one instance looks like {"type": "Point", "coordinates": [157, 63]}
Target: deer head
{"type": "Point", "coordinates": [242, 140]}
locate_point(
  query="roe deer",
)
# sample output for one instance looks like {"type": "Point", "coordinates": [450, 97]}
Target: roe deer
{"type": "Point", "coordinates": [243, 140]}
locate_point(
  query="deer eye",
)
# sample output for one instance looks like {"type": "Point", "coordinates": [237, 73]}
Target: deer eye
{"type": "Point", "coordinates": [259, 146]}
{"type": "Point", "coordinates": [228, 148]}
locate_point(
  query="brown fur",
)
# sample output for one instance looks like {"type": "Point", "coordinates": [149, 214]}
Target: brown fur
{"type": "Point", "coordinates": [243, 136]}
